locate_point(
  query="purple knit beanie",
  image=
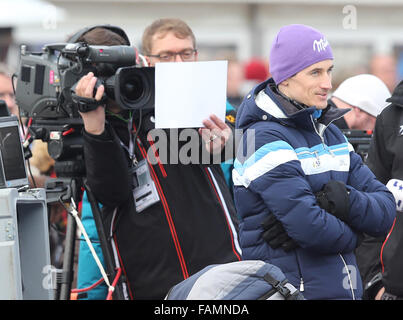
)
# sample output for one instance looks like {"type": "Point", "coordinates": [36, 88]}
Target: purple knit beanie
{"type": "Point", "coordinates": [295, 48]}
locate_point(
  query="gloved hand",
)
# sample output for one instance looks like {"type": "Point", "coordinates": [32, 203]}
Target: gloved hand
{"type": "Point", "coordinates": [335, 199]}
{"type": "Point", "coordinates": [275, 235]}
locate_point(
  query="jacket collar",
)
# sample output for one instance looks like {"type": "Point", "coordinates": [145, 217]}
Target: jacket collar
{"type": "Point", "coordinates": [285, 110]}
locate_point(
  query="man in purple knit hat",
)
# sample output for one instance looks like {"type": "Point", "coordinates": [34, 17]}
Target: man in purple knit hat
{"type": "Point", "coordinates": [303, 195]}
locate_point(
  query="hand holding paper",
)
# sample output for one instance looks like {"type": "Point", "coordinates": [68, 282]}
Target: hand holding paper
{"type": "Point", "coordinates": [215, 134]}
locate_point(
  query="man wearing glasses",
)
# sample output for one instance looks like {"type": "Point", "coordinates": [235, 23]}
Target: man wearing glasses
{"type": "Point", "coordinates": [187, 219]}
{"type": "Point", "coordinates": [169, 40]}
{"type": "Point", "coordinates": [172, 40]}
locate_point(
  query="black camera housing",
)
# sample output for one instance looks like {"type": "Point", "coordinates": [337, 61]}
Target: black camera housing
{"type": "Point", "coordinates": [46, 79]}
{"type": "Point", "coordinates": [45, 90]}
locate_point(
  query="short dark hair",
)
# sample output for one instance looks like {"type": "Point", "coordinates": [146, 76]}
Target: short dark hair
{"type": "Point", "coordinates": [102, 36]}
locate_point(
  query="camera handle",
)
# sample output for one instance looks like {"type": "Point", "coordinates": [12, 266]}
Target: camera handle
{"type": "Point", "coordinates": [88, 104]}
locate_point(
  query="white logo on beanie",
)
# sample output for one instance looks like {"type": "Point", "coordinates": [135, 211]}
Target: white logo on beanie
{"type": "Point", "coordinates": [320, 45]}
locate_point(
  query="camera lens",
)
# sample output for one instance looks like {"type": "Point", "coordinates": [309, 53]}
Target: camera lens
{"type": "Point", "coordinates": [132, 88]}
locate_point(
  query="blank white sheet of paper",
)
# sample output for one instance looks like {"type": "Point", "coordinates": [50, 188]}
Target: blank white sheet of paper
{"type": "Point", "coordinates": [186, 93]}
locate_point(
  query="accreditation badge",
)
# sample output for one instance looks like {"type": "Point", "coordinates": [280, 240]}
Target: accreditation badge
{"type": "Point", "coordinates": [145, 193]}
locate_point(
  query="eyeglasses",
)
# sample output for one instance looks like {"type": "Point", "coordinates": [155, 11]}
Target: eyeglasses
{"type": "Point", "coordinates": [186, 55]}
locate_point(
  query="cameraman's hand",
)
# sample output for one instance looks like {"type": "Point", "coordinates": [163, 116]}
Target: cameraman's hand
{"type": "Point", "coordinates": [335, 199]}
{"type": "Point", "coordinates": [94, 121]}
{"type": "Point", "coordinates": [215, 134]}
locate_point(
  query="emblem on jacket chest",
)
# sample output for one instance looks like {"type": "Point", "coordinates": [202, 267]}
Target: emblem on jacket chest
{"type": "Point", "coordinates": [316, 163]}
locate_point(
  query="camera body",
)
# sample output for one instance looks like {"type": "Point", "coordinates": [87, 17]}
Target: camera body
{"type": "Point", "coordinates": [45, 89]}
{"type": "Point", "coordinates": [46, 79]}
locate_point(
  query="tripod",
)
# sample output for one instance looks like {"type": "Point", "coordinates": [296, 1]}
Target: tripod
{"type": "Point", "coordinates": [71, 190]}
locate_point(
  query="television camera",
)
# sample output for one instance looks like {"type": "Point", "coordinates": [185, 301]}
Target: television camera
{"type": "Point", "coordinates": [45, 93]}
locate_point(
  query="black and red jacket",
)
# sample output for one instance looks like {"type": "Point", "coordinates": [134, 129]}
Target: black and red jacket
{"type": "Point", "coordinates": [193, 225]}
{"type": "Point", "coordinates": [385, 159]}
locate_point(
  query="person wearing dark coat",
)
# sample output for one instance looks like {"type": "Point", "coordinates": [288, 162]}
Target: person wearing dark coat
{"type": "Point", "coordinates": [186, 219]}
{"type": "Point", "coordinates": [303, 195]}
{"type": "Point", "coordinates": [381, 261]}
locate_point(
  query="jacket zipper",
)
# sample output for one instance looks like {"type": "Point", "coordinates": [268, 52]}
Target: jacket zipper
{"type": "Point", "coordinates": [301, 279]}
{"type": "Point", "coordinates": [349, 277]}
{"type": "Point", "coordinates": [321, 136]}
{"type": "Point", "coordinates": [167, 213]}
{"type": "Point", "coordinates": [316, 153]}
{"type": "Point", "coordinates": [331, 152]}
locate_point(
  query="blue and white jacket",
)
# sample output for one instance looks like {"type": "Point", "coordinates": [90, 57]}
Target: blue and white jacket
{"type": "Point", "coordinates": [286, 155]}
